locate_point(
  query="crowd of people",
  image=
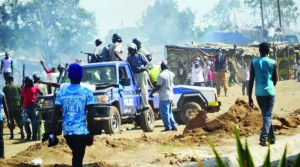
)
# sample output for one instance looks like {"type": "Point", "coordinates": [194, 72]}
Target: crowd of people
{"type": "Point", "coordinates": [208, 70]}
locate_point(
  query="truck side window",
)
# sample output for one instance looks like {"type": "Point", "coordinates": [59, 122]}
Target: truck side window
{"type": "Point", "coordinates": [123, 76]}
{"type": "Point", "coordinates": [122, 73]}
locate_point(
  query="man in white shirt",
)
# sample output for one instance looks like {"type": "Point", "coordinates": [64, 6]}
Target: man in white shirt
{"type": "Point", "coordinates": [6, 66]}
{"type": "Point", "coordinates": [197, 74]}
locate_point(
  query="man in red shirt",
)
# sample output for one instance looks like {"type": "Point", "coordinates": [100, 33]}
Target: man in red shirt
{"type": "Point", "coordinates": [29, 91]}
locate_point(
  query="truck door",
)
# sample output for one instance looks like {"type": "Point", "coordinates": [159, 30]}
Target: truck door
{"type": "Point", "coordinates": [128, 93]}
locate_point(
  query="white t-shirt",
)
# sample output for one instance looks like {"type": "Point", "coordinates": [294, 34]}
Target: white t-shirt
{"type": "Point", "coordinates": [98, 50]}
{"type": "Point", "coordinates": [6, 65]}
{"type": "Point", "coordinates": [197, 74]}
{"type": "Point", "coordinates": [52, 77]}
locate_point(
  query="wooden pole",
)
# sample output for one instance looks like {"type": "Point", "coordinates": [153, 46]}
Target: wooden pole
{"type": "Point", "coordinates": [279, 13]}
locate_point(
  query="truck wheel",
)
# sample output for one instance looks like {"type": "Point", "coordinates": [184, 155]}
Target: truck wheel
{"type": "Point", "coordinates": [177, 118]}
{"type": "Point", "coordinates": [187, 109]}
{"type": "Point", "coordinates": [112, 126]}
{"type": "Point", "coordinates": [147, 120]}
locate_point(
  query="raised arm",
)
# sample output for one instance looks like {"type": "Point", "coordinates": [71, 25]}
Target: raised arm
{"type": "Point", "coordinates": [45, 69]}
{"type": "Point", "coordinates": [274, 75]}
{"type": "Point", "coordinates": [56, 85]}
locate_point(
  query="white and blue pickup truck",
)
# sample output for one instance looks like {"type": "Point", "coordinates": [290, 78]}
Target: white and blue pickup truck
{"type": "Point", "coordinates": [116, 106]}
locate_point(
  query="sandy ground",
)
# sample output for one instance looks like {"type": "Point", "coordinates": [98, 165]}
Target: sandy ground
{"type": "Point", "coordinates": [134, 148]}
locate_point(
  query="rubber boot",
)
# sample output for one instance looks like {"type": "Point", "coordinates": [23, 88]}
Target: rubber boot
{"type": "Point", "coordinates": [22, 132]}
{"type": "Point", "coordinates": [11, 133]}
{"type": "Point", "coordinates": [28, 131]}
{"type": "Point", "coordinates": [218, 92]}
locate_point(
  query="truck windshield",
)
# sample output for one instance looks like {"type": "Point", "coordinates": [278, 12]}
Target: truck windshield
{"type": "Point", "coordinates": [102, 75]}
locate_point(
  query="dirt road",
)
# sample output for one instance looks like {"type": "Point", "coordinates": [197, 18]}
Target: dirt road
{"type": "Point", "coordinates": [134, 148]}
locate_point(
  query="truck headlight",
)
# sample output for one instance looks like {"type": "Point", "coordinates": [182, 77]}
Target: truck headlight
{"type": "Point", "coordinates": [46, 104]}
{"type": "Point", "coordinates": [101, 98]}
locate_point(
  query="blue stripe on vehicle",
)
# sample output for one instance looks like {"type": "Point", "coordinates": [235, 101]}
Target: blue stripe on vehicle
{"type": "Point", "coordinates": [182, 90]}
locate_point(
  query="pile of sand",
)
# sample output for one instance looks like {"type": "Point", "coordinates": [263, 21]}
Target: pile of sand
{"type": "Point", "coordinates": [247, 120]}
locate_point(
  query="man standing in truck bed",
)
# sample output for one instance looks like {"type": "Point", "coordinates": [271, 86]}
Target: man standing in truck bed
{"type": "Point", "coordinates": [139, 65]}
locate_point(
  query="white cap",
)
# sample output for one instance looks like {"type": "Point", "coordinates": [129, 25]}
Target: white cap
{"type": "Point", "coordinates": [164, 62]}
{"type": "Point", "coordinates": [132, 46]}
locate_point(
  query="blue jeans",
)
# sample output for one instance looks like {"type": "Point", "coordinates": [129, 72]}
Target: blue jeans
{"type": "Point", "coordinates": [266, 104]}
{"type": "Point", "coordinates": [29, 115]}
{"type": "Point", "coordinates": [166, 114]}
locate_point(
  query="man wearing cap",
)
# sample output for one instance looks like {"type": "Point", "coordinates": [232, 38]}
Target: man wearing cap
{"type": "Point", "coordinates": [198, 74]}
{"type": "Point", "coordinates": [6, 66]}
{"type": "Point", "coordinates": [164, 87]}
{"type": "Point", "coordinates": [13, 95]}
{"type": "Point", "coordinates": [115, 49]}
{"type": "Point", "coordinates": [77, 104]}
{"type": "Point", "coordinates": [139, 65]}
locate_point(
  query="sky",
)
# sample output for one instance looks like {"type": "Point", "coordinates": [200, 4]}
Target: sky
{"type": "Point", "coordinates": [111, 14]}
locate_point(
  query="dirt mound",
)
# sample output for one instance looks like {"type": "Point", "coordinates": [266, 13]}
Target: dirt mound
{"type": "Point", "coordinates": [197, 119]}
{"type": "Point", "coordinates": [248, 121]}
{"type": "Point", "coordinates": [241, 115]}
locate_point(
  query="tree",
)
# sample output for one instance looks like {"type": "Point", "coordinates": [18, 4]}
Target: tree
{"type": "Point", "coordinates": [55, 27]}
{"type": "Point", "coordinates": [220, 15]}
{"type": "Point", "coordinates": [289, 11]}
{"type": "Point", "coordinates": [163, 23]}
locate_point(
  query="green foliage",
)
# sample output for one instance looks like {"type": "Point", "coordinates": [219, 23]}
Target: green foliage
{"type": "Point", "coordinates": [297, 161]}
{"type": "Point", "coordinates": [52, 27]}
{"type": "Point", "coordinates": [219, 161]}
{"type": "Point", "coordinates": [282, 162]}
{"type": "Point", "coordinates": [267, 161]}
{"type": "Point", "coordinates": [289, 11]}
{"type": "Point", "coordinates": [245, 158]}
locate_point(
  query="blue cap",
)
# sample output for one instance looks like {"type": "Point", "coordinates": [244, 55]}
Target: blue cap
{"type": "Point", "coordinates": [75, 71]}
{"type": "Point", "coordinates": [197, 62]}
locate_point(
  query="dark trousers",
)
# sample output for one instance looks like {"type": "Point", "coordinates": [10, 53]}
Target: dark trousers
{"type": "Point", "coordinates": [266, 104]}
{"type": "Point", "coordinates": [1, 140]}
{"type": "Point", "coordinates": [245, 85]}
{"type": "Point", "coordinates": [77, 144]}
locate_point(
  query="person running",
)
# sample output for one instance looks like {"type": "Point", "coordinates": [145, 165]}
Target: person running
{"type": "Point", "coordinates": [164, 87]}
{"type": "Point", "coordinates": [264, 71]}
{"type": "Point", "coordinates": [6, 111]}
{"type": "Point", "coordinates": [7, 66]}
{"type": "Point", "coordinates": [13, 98]}
{"type": "Point", "coordinates": [77, 104]}
{"type": "Point", "coordinates": [30, 91]}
